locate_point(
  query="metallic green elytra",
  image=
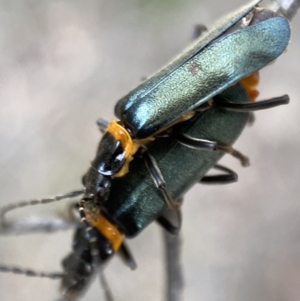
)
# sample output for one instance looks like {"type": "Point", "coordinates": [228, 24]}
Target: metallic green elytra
{"type": "Point", "coordinates": [238, 45]}
{"type": "Point", "coordinates": [135, 201]}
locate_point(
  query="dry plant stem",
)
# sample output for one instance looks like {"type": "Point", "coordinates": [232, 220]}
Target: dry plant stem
{"type": "Point", "coordinates": [175, 284]}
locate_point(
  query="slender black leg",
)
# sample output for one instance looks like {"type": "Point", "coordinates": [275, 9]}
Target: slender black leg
{"type": "Point", "coordinates": [211, 145]}
{"type": "Point", "coordinates": [167, 225]}
{"type": "Point", "coordinates": [160, 183]}
{"type": "Point", "coordinates": [158, 179]}
{"type": "Point", "coordinates": [202, 144]}
{"type": "Point", "coordinates": [220, 102]}
{"type": "Point", "coordinates": [169, 221]}
{"type": "Point", "coordinates": [127, 257]}
{"type": "Point", "coordinates": [228, 149]}
{"type": "Point", "coordinates": [195, 143]}
{"type": "Point", "coordinates": [229, 177]}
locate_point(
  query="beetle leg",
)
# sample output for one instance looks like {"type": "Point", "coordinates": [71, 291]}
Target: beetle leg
{"type": "Point", "coordinates": [229, 177]}
{"type": "Point", "coordinates": [220, 102]}
{"type": "Point", "coordinates": [169, 221]}
{"type": "Point", "coordinates": [127, 257]}
{"type": "Point", "coordinates": [202, 144]}
{"type": "Point", "coordinates": [160, 183]}
{"type": "Point", "coordinates": [159, 180]}
{"type": "Point", "coordinates": [228, 149]}
{"type": "Point", "coordinates": [167, 225]}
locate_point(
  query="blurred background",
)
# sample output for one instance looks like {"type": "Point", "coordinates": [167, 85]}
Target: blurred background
{"type": "Point", "coordinates": [64, 64]}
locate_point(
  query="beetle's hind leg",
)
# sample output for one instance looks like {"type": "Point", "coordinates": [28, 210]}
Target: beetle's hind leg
{"type": "Point", "coordinates": [228, 177]}
{"type": "Point", "coordinates": [167, 220]}
{"type": "Point", "coordinates": [221, 102]}
{"type": "Point", "coordinates": [170, 221]}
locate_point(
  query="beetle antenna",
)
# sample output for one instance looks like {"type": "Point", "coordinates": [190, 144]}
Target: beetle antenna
{"type": "Point", "coordinates": [21, 204]}
{"type": "Point", "coordinates": [30, 272]}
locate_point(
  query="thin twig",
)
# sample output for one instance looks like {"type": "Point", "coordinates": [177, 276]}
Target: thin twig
{"type": "Point", "coordinates": [175, 283]}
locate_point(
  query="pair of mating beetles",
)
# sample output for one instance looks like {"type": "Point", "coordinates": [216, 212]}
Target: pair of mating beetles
{"type": "Point", "coordinates": [195, 108]}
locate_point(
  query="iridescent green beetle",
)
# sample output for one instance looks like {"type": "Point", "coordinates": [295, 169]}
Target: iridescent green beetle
{"type": "Point", "coordinates": [236, 47]}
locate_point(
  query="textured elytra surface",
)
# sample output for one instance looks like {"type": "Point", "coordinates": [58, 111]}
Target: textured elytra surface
{"type": "Point", "coordinates": [218, 66]}
{"type": "Point", "coordinates": [65, 64]}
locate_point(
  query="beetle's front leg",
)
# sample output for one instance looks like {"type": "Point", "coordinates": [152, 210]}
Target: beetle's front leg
{"type": "Point", "coordinates": [222, 103]}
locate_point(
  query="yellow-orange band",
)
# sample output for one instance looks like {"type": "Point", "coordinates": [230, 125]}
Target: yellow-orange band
{"type": "Point", "coordinates": [107, 229]}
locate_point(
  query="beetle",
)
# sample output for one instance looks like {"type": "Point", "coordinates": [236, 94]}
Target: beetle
{"type": "Point", "coordinates": [219, 58]}
{"type": "Point", "coordinates": [238, 46]}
